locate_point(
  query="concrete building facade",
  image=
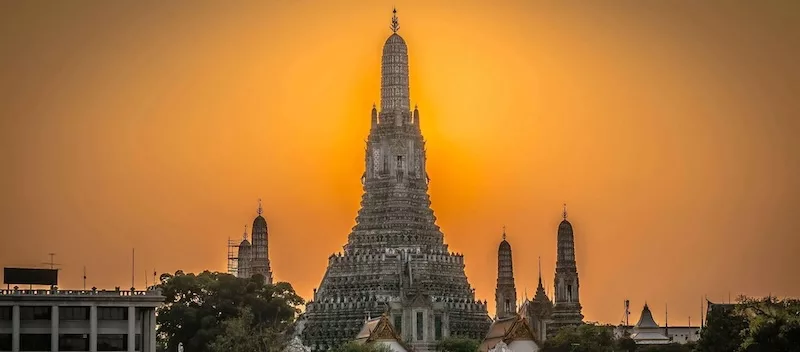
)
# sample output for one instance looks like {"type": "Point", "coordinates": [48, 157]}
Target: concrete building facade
{"type": "Point", "coordinates": [67, 320]}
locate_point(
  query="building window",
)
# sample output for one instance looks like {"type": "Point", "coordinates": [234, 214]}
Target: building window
{"type": "Point", "coordinates": [569, 293]}
{"type": "Point", "coordinates": [112, 313]}
{"type": "Point", "coordinates": [34, 342]}
{"type": "Point", "coordinates": [112, 342]}
{"type": "Point", "coordinates": [138, 342]}
{"type": "Point", "coordinates": [399, 161]}
{"type": "Point", "coordinates": [73, 313]}
{"type": "Point", "coordinates": [6, 313]}
{"type": "Point", "coordinates": [73, 342]}
{"type": "Point", "coordinates": [5, 342]}
{"type": "Point", "coordinates": [35, 313]}
{"type": "Point", "coordinates": [438, 327]}
{"type": "Point", "coordinates": [419, 326]}
{"type": "Point", "coordinates": [398, 324]}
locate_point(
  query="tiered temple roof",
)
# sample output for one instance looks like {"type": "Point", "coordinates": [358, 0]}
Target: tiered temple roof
{"type": "Point", "coordinates": [395, 258]}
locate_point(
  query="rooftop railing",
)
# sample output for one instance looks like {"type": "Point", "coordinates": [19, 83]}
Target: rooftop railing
{"type": "Point", "coordinates": [92, 292]}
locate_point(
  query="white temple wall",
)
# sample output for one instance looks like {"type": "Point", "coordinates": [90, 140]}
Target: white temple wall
{"type": "Point", "coordinates": [523, 346]}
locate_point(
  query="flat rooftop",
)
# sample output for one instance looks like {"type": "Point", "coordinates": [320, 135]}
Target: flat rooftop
{"type": "Point", "coordinates": [142, 296]}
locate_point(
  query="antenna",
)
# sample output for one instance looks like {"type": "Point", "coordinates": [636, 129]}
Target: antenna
{"type": "Point", "coordinates": [133, 267]}
{"type": "Point", "coordinates": [145, 279]}
{"type": "Point", "coordinates": [51, 263]}
{"type": "Point", "coordinates": [627, 312]}
{"type": "Point", "coordinates": [666, 321]}
{"type": "Point", "coordinates": [84, 277]}
{"type": "Point", "coordinates": [154, 276]}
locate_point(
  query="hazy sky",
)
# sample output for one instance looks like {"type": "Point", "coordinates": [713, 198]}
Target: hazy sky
{"type": "Point", "coordinates": [669, 127]}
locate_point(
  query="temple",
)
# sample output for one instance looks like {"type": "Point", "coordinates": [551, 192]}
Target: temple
{"type": "Point", "coordinates": [506, 292]}
{"type": "Point", "coordinates": [647, 332]}
{"type": "Point", "coordinates": [254, 258]}
{"type": "Point", "coordinates": [567, 307]}
{"type": "Point", "coordinates": [395, 262]}
{"type": "Point", "coordinates": [539, 310]}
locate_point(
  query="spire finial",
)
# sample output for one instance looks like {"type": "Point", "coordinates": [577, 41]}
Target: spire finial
{"type": "Point", "coordinates": [260, 209]}
{"type": "Point", "coordinates": [564, 213]}
{"type": "Point", "coordinates": [540, 270]}
{"type": "Point", "coordinates": [244, 236]}
{"type": "Point", "coordinates": [504, 232]}
{"type": "Point", "coordinates": [395, 24]}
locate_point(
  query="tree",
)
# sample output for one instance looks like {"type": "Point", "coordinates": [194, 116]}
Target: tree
{"type": "Point", "coordinates": [626, 344]}
{"type": "Point", "coordinates": [457, 344]}
{"type": "Point", "coordinates": [722, 332]}
{"type": "Point", "coordinates": [368, 347]}
{"type": "Point", "coordinates": [673, 347]}
{"type": "Point", "coordinates": [583, 338]}
{"type": "Point", "coordinates": [196, 307]}
{"type": "Point", "coordinates": [240, 334]}
{"type": "Point", "coordinates": [772, 324]}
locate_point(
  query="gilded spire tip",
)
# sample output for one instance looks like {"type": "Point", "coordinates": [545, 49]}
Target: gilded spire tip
{"type": "Point", "coordinates": [244, 236]}
{"type": "Point", "coordinates": [564, 213]}
{"type": "Point", "coordinates": [260, 209]}
{"type": "Point", "coordinates": [395, 23]}
{"type": "Point", "coordinates": [504, 232]}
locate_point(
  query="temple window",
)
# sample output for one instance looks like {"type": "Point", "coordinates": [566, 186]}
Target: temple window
{"type": "Point", "coordinates": [569, 293]}
{"type": "Point", "coordinates": [438, 327]}
{"type": "Point", "coordinates": [419, 326]}
{"type": "Point", "coordinates": [398, 324]}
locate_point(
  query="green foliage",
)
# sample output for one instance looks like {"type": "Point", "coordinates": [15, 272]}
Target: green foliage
{"type": "Point", "coordinates": [753, 325]}
{"type": "Point", "coordinates": [356, 347]}
{"type": "Point", "coordinates": [673, 347]}
{"type": "Point", "coordinates": [626, 344]}
{"type": "Point", "coordinates": [772, 324]}
{"type": "Point", "coordinates": [457, 344]}
{"type": "Point", "coordinates": [197, 306]}
{"type": "Point", "coordinates": [722, 332]}
{"type": "Point", "coordinates": [583, 338]}
{"type": "Point", "coordinates": [239, 334]}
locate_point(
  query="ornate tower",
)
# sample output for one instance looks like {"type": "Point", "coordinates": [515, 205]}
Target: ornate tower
{"type": "Point", "coordinates": [395, 261]}
{"type": "Point", "coordinates": [506, 293]}
{"type": "Point", "coordinates": [541, 309]}
{"type": "Point", "coordinates": [244, 257]}
{"type": "Point", "coordinates": [567, 308]}
{"type": "Point", "coordinates": [259, 250]}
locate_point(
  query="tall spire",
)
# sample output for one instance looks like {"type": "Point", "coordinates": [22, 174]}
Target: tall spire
{"type": "Point", "coordinates": [260, 209]}
{"type": "Point", "coordinates": [540, 270]}
{"type": "Point", "coordinates": [394, 76]}
{"type": "Point", "coordinates": [395, 23]}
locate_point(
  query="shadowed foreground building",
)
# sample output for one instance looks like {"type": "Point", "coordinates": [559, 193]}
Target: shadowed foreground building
{"type": "Point", "coordinates": [395, 261]}
{"type": "Point", "coordinates": [61, 320]}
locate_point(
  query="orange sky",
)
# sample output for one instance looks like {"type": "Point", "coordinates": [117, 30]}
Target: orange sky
{"type": "Point", "coordinates": [668, 127]}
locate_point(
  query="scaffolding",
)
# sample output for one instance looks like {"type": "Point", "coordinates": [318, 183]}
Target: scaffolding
{"type": "Point", "coordinates": [233, 257]}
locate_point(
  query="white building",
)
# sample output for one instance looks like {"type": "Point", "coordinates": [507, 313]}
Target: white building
{"type": "Point", "coordinates": [648, 332]}
{"type": "Point", "coordinates": [92, 320]}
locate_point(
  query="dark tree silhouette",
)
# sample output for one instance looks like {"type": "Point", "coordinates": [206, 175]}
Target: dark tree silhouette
{"type": "Point", "coordinates": [197, 306]}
